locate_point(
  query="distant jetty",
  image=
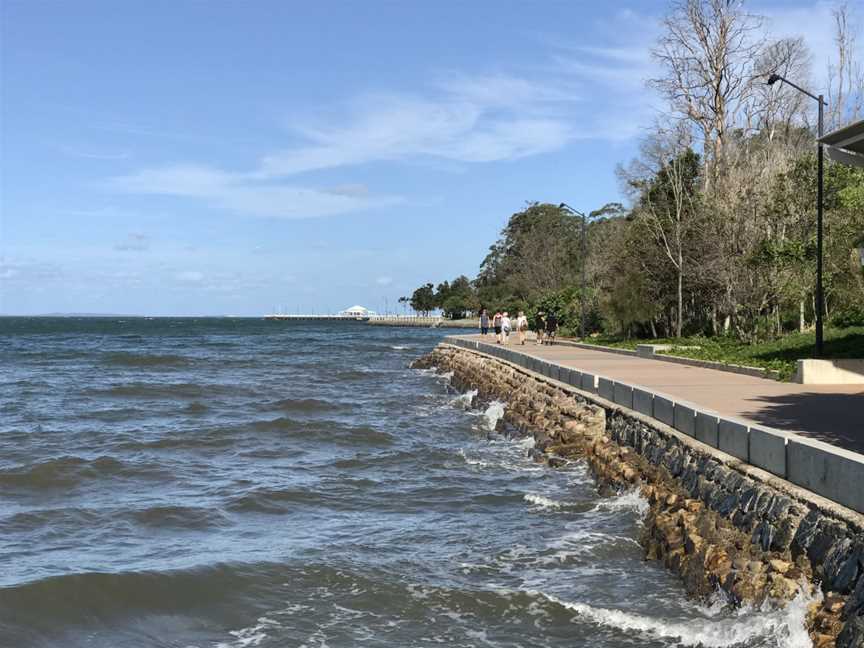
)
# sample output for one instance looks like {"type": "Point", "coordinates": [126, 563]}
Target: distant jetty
{"type": "Point", "coordinates": [424, 322]}
{"type": "Point", "coordinates": [314, 318]}
{"type": "Point", "coordinates": [417, 321]}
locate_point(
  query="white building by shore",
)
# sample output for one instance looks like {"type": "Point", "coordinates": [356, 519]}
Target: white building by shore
{"type": "Point", "coordinates": [357, 311]}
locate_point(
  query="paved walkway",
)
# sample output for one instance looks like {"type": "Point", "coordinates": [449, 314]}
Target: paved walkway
{"type": "Point", "coordinates": [831, 413]}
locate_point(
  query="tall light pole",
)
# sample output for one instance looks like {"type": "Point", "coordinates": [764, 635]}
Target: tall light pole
{"type": "Point", "coordinates": [582, 264]}
{"type": "Point", "coordinates": [820, 304]}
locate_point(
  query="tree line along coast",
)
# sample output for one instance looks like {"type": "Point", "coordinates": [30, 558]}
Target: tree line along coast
{"type": "Point", "coordinates": [717, 241]}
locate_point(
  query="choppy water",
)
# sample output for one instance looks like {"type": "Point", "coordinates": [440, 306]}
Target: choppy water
{"type": "Point", "coordinates": [234, 483]}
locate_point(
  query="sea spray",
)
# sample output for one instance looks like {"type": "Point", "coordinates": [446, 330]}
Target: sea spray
{"type": "Point", "coordinates": [631, 500]}
{"type": "Point", "coordinates": [464, 401]}
{"type": "Point", "coordinates": [493, 415]}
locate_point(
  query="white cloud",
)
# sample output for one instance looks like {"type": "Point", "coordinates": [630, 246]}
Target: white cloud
{"type": "Point", "coordinates": [384, 281]}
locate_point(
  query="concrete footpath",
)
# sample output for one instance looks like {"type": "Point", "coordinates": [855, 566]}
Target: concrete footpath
{"type": "Point", "coordinates": [830, 413]}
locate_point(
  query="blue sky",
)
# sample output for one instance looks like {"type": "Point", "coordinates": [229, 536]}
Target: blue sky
{"type": "Point", "coordinates": [228, 158]}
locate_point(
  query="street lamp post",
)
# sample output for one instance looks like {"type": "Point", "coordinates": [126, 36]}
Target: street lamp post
{"type": "Point", "coordinates": [820, 304]}
{"type": "Point", "coordinates": [582, 264]}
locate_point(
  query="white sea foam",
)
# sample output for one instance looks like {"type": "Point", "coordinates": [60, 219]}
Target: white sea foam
{"type": "Point", "coordinates": [628, 501]}
{"type": "Point", "coordinates": [399, 347]}
{"type": "Point", "coordinates": [464, 401]}
{"type": "Point", "coordinates": [251, 636]}
{"type": "Point", "coordinates": [542, 502]}
{"type": "Point", "coordinates": [519, 465]}
{"type": "Point", "coordinates": [784, 625]}
{"type": "Point", "coordinates": [527, 442]}
{"type": "Point", "coordinates": [493, 414]}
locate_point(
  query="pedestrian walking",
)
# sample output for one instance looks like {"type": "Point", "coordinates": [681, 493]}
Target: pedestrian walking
{"type": "Point", "coordinates": [506, 327]}
{"type": "Point", "coordinates": [551, 327]}
{"type": "Point", "coordinates": [496, 324]}
{"type": "Point", "coordinates": [539, 326]}
{"type": "Point", "coordinates": [484, 321]}
{"type": "Point", "coordinates": [522, 327]}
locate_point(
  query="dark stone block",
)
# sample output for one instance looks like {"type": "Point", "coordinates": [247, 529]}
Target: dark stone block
{"type": "Point", "coordinates": [727, 505]}
{"type": "Point", "coordinates": [748, 499]}
{"type": "Point", "coordinates": [827, 535]}
{"type": "Point", "coordinates": [763, 535]}
{"type": "Point", "coordinates": [763, 503]}
{"type": "Point", "coordinates": [855, 603]}
{"type": "Point", "coordinates": [779, 507]}
{"type": "Point", "coordinates": [852, 634]}
{"type": "Point", "coordinates": [806, 533]}
{"type": "Point", "coordinates": [841, 566]}
{"type": "Point", "coordinates": [735, 480]}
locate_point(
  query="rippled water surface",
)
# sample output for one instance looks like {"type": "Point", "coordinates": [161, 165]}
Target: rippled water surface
{"type": "Point", "coordinates": [219, 482]}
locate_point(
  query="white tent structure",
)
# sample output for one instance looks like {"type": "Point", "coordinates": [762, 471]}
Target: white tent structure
{"type": "Point", "coordinates": [356, 311]}
{"type": "Point", "coordinates": [846, 145]}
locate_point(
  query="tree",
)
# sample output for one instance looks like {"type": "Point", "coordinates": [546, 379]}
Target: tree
{"type": "Point", "coordinates": [456, 298]}
{"type": "Point", "coordinates": [706, 51]}
{"type": "Point", "coordinates": [537, 252]}
{"type": "Point", "coordinates": [667, 205]}
{"type": "Point", "coordinates": [423, 299]}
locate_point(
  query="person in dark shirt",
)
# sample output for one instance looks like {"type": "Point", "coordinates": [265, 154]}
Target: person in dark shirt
{"type": "Point", "coordinates": [551, 327]}
{"type": "Point", "coordinates": [539, 326]}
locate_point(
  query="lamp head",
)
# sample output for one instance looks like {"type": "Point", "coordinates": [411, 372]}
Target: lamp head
{"type": "Point", "coordinates": [774, 78]}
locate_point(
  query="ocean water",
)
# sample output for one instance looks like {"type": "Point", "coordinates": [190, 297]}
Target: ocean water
{"type": "Point", "coordinates": [235, 483]}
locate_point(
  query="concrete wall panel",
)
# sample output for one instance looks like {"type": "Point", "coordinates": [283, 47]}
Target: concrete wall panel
{"type": "Point", "coordinates": [664, 410]}
{"type": "Point", "coordinates": [685, 419]}
{"type": "Point", "coordinates": [707, 428]}
{"type": "Point", "coordinates": [643, 402]}
{"type": "Point", "coordinates": [768, 449]}
{"type": "Point", "coordinates": [624, 395]}
{"type": "Point", "coordinates": [827, 470]}
{"type": "Point", "coordinates": [606, 388]}
{"type": "Point", "coordinates": [734, 439]}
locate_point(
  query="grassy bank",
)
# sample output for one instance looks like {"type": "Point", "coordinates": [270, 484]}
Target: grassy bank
{"type": "Point", "coordinates": [778, 355]}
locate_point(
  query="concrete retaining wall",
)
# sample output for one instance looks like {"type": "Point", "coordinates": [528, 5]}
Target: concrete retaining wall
{"type": "Point", "coordinates": [795, 529]}
{"type": "Point", "coordinates": [819, 467]}
{"type": "Point", "coordinates": [830, 372]}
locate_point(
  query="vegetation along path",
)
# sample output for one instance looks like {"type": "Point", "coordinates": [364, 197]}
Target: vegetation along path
{"type": "Point", "coordinates": [830, 413]}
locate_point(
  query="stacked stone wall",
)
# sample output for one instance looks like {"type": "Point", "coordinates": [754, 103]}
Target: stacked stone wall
{"type": "Point", "coordinates": [721, 524]}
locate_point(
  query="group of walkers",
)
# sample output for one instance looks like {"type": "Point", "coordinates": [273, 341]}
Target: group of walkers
{"type": "Point", "coordinates": [545, 326]}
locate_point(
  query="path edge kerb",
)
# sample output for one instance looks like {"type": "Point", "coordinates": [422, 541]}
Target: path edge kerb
{"type": "Point", "coordinates": [769, 457]}
{"type": "Point", "coordinates": [744, 370]}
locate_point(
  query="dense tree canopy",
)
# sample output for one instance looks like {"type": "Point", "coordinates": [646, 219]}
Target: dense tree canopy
{"type": "Point", "coordinates": [720, 236]}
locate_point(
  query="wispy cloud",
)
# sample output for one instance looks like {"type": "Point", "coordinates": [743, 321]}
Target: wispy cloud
{"type": "Point", "coordinates": [245, 193]}
{"type": "Point", "coordinates": [456, 118]}
{"type": "Point", "coordinates": [95, 155]}
{"type": "Point", "coordinates": [193, 276]}
{"type": "Point", "coordinates": [460, 119]}
{"type": "Point", "coordinates": [134, 242]}
{"type": "Point", "coordinates": [27, 272]}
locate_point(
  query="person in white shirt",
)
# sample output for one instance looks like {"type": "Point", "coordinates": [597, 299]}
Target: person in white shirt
{"type": "Point", "coordinates": [522, 327]}
{"type": "Point", "coordinates": [505, 327]}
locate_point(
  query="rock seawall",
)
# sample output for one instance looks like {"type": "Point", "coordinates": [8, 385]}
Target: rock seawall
{"type": "Point", "coordinates": [720, 524]}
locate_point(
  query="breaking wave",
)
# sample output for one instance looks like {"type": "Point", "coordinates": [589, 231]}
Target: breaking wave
{"type": "Point", "coordinates": [785, 625]}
